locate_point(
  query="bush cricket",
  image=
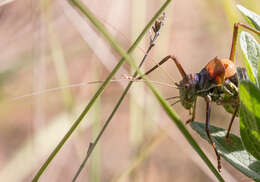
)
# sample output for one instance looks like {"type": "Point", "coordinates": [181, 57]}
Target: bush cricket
{"type": "Point", "coordinates": [216, 82]}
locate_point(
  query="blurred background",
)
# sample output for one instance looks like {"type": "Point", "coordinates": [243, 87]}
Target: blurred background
{"type": "Point", "coordinates": [49, 55]}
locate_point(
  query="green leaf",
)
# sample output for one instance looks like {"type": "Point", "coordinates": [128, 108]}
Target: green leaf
{"type": "Point", "coordinates": [251, 17]}
{"type": "Point", "coordinates": [250, 117]}
{"type": "Point", "coordinates": [251, 52]}
{"type": "Point", "coordinates": [232, 151]}
{"type": "Point", "coordinates": [254, 21]}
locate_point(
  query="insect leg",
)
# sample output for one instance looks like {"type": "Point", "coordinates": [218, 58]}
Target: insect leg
{"type": "Point", "coordinates": [234, 38]}
{"type": "Point", "coordinates": [231, 121]}
{"type": "Point", "coordinates": [193, 113]}
{"type": "Point", "coordinates": [170, 98]}
{"type": "Point", "coordinates": [208, 132]}
{"type": "Point", "coordinates": [181, 70]}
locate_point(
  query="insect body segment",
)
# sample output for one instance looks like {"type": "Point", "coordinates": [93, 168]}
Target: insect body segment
{"type": "Point", "coordinates": [220, 69]}
{"type": "Point", "coordinates": [217, 79]}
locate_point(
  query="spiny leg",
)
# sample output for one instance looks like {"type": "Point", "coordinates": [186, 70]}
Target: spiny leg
{"type": "Point", "coordinates": [193, 113]}
{"type": "Point", "coordinates": [181, 70]}
{"type": "Point", "coordinates": [231, 122]}
{"type": "Point", "coordinates": [234, 38]}
{"type": "Point", "coordinates": [208, 132]}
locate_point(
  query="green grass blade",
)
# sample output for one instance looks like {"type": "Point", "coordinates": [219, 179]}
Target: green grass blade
{"type": "Point", "coordinates": [163, 102]}
{"type": "Point", "coordinates": [233, 152]}
{"type": "Point", "coordinates": [95, 172]}
{"type": "Point", "coordinates": [102, 87]}
{"type": "Point", "coordinates": [95, 163]}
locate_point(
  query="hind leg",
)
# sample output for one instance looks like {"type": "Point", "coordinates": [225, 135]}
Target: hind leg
{"type": "Point", "coordinates": [208, 132]}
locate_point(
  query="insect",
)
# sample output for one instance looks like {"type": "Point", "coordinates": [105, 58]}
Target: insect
{"type": "Point", "coordinates": [216, 82]}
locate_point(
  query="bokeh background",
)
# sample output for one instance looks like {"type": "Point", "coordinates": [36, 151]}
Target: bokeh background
{"type": "Point", "coordinates": [49, 55]}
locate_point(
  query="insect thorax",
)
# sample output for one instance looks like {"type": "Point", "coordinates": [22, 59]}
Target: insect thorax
{"type": "Point", "coordinates": [201, 84]}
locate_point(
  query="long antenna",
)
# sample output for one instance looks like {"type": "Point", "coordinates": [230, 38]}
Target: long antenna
{"type": "Point", "coordinates": [81, 84]}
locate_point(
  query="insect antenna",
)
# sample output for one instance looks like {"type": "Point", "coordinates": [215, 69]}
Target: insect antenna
{"type": "Point", "coordinates": [175, 102]}
{"type": "Point", "coordinates": [82, 84]}
{"type": "Point", "coordinates": [170, 98]}
{"type": "Point", "coordinates": [159, 83]}
{"type": "Point", "coordinates": [130, 78]}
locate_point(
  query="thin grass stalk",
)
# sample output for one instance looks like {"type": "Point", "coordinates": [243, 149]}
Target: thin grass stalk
{"type": "Point", "coordinates": [162, 101]}
{"type": "Point", "coordinates": [95, 172]}
{"type": "Point", "coordinates": [102, 87]}
{"type": "Point", "coordinates": [59, 60]}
